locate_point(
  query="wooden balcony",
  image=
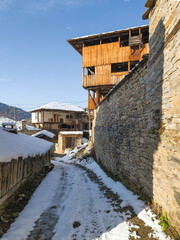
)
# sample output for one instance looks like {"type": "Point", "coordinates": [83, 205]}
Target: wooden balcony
{"type": "Point", "coordinates": [102, 79]}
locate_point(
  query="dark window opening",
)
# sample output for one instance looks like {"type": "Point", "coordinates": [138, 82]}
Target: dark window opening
{"type": "Point", "coordinates": [134, 33]}
{"type": "Point", "coordinates": [65, 126]}
{"type": "Point", "coordinates": [92, 43]}
{"type": "Point", "coordinates": [119, 67]}
{"type": "Point", "coordinates": [89, 71]}
{"type": "Point", "coordinates": [55, 117]}
{"type": "Point", "coordinates": [67, 116]}
{"type": "Point", "coordinates": [145, 36]}
{"type": "Point", "coordinates": [70, 116]}
{"type": "Point", "coordinates": [109, 40]}
{"type": "Point", "coordinates": [135, 50]}
{"type": "Point", "coordinates": [132, 64]}
{"type": "Point", "coordinates": [124, 40]}
{"type": "Point", "coordinates": [72, 126]}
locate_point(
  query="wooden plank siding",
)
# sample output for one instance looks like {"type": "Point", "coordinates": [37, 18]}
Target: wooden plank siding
{"type": "Point", "coordinates": [102, 79]}
{"type": "Point", "coordinates": [102, 56]}
{"type": "Point", "coordinates": [105, 54]}
{"type": "Point", "coordinates": [109, 53]}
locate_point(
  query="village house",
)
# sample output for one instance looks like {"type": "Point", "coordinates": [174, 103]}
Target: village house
{"type": "Point", "coordinates": [69, 140]}
{"type": "Point", "coordinates": [107, 58]}
{"type": "Point", "coordinates": [59, 117]}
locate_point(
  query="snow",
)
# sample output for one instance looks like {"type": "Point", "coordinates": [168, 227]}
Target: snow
{"type": "Point", "coordinates": [40, 200]}
{"type": "Point", "coordinates": [129, 199]}
{"type": "Point", "coordinates": [13, 146]}
{"type": "Point", "coordinates": [68, 194]}
{"type": "Point", "coordinates": [59, 106]}
{"type": "Point", "coordinates": [8, 123]}
{"type": "Point", "coordinates": [7, 120]}
{"type": "Point", "coordinates": [45, 133]}
{"type": "Point", "coordinates": [84, 140]}
{"type": "Point", "coordinates": [71, 132]}
{"type": "Point", "coordinates": [31, 128]}
{"type": "Point", "coordinates": [17, 123]}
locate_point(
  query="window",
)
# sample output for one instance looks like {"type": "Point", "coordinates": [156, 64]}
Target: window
{"type": "Point", "coordinates": [124, 40]}
{"type": "Point", "coordinates": [72, 126]}
{"type": "Point", "coordinates": [67, 116]}
{"type": "Point", "coordinates": [92, 42]}
{"type": "Point", "coordinates": [145, 35]}
{"type": "Point", "coordinates": [89, 71]}
{"type": "Point", "coordinates": [110, 40]}
{"type": "Point", "coordinates": [35, 115]}
{"type": "Point", "coordinates": [65, 126]}
{"type": "Point", "coordinates": [55, 117]}
{"type": "Point", "coordinates": [134, 33]}
{"type": "Point", "coordinates": [119, 67]}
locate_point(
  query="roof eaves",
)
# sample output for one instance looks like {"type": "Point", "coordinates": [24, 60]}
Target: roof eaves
{"type": "Point", "coordinates": [146, 14]}
{"type": "Point", "coordinates": [150, 3]}
{"type": "Point", "coordinates": [105, 33]}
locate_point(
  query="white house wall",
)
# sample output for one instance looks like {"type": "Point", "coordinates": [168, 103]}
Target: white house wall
{"type": "Point", "coordinates": [34, 119]}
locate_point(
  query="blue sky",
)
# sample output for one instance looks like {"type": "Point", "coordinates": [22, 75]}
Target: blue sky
{"type": "Point", "coordinates": [37, 64]}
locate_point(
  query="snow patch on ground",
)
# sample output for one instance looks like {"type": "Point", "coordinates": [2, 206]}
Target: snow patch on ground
{"type": "Point", "coordinates": [79, 199]}
{"type": "Point", "coordinates": [40, 200]}
{"type": "Point", "coordinates": [128, 197]}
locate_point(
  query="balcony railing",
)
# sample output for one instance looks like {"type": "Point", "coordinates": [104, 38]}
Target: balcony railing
{"type": "Point", "coordinates": [102, 79]}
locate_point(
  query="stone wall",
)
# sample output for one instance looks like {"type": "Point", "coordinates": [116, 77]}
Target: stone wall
{"type": "Point", "coordinates": [14, 173]}
{"type": "Point", "coordinates": [136, 131]}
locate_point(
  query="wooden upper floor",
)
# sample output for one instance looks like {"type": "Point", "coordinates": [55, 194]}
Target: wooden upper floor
{"type": "Point", "coordinates": [108, 57]}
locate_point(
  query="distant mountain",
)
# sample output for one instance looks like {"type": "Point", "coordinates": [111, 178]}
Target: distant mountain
{"type": "Point", "coordinates": [14, 113]}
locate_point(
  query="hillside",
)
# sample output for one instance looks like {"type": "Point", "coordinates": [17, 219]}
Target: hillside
{"type": "Point", "coordinates": [14, 113]}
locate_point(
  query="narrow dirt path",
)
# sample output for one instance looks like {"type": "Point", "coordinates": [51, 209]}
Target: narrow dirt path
{"type": "Point", "coordinates": [83, 208]}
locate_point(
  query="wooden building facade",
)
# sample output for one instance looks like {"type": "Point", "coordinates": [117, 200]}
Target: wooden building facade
{"type": "Point", "coordinates": [107, 58]}
{"type": "Point", "coordinates": [59, 116]}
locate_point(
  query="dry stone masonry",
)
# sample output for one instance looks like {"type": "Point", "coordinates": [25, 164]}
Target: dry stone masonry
{"type": "Point", "coordinates": [136, 132]}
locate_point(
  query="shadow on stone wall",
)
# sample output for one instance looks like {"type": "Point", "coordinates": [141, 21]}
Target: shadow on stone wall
{"type": "Point", "coordinates": [128, 122]}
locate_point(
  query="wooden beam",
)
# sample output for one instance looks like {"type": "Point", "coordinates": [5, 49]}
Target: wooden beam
{"type": "Point", "coordinates": [150, 3]}
{"type": "Point", "coordinates": [129, 66]}
{"type": "Point", "coordinates": [92, 98]}
{"type": "Point", "coordinates": [146, 14]}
